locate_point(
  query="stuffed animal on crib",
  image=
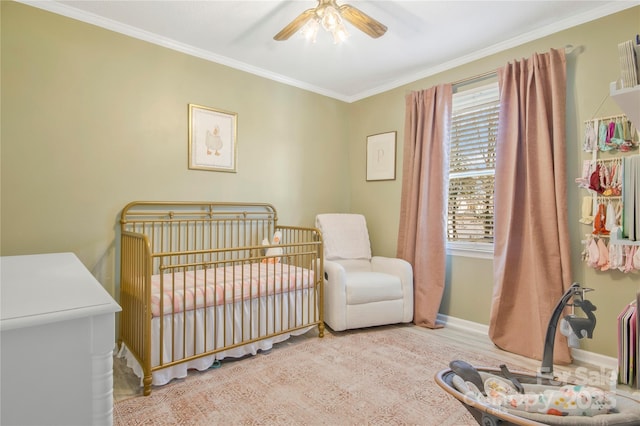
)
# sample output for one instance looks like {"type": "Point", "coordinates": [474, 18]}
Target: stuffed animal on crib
{"type": "Point", "coordinates": [276, 252]}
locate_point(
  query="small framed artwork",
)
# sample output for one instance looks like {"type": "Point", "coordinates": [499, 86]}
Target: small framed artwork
{"type": "Point", "coordinates": [381, 156]}
{"type": "Point", "coordinates": [212, 139]}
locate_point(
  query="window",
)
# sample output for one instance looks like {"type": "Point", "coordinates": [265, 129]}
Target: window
{"type": "Point", "coordinates": [472, 156]}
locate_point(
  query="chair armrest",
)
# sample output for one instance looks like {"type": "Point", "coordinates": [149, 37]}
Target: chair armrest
{"type": "Point", "coordinates": [335, 295]}
{"type": "Point", "coordinates": [402, 269]}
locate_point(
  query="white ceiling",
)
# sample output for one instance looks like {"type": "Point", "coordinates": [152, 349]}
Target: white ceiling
{"type": "Point", "coordinates": [423, 37]}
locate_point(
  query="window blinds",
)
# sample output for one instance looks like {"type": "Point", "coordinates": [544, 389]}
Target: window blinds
{"type": "Point", "coordinates": [472, 156]}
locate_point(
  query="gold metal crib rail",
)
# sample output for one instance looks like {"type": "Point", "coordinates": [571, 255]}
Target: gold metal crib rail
{"type": "Point", "coordinates": [196, 281]}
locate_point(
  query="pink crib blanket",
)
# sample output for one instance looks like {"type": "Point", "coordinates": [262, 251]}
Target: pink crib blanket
{"type": "Point", "coordinates": [186, 290]}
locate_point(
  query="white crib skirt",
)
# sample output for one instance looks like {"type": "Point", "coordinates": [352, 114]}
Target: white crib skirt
{"type": "Point", "coordinates": [236, 323]}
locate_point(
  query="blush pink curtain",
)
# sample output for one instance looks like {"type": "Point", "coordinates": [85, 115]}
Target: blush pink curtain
{"type": "Point", "coordinates": [532, 252]}
{"type": "Point", "coordinates": [422, 231]}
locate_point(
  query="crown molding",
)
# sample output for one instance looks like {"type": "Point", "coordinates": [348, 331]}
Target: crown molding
{"type": "Point", "coordinates": [605, 10]}
{"type": "Point", "coordinates": [71, 12]}
{"type": "Point", "coordinates": [130, 31]}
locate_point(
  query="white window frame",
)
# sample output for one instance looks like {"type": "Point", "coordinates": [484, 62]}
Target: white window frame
{"type": "Point", "coordinates": [464, 248]}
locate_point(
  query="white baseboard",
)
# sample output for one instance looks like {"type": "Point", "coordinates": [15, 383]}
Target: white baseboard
{"type": "Point", "coordinates": [482, 329]}
{"type": "Point", "coordinates": [594, 358]}
{"type": "Point", "coordinates": [464, 325]}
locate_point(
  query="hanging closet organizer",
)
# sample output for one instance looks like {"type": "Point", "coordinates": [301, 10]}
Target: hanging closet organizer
{"type": "Point", "coordinates": [609, 139]}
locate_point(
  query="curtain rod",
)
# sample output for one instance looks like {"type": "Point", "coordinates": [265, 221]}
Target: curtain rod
{"type": "Point", "coordinates": [568, 48]}
{"type": "Point", "coordinates": [475, 77]}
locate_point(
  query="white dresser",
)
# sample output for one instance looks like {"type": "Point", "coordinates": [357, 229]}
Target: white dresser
{"type": "Point", "coordinates": [57, 326]}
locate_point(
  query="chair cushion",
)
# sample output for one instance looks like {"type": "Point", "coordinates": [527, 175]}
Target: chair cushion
{"type": "Point", "coordinates": [345, 236]}
{"type": "Point", "coordinates": [367, 287]}
{"type": "Point", "coordinates": [355, 265]}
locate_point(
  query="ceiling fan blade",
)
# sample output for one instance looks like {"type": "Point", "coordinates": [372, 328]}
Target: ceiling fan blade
{"type": "Point", "coordinates": [362, 21]}
{"type": "Point", "coordinates": [294, 25]}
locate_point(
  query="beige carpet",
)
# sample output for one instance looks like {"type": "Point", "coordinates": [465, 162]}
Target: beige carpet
{"type": "Point", "coordinates": [378, 376]}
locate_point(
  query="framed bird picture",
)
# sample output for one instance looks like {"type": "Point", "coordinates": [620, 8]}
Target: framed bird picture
{"type": "Point", "coordinates": [212, 139]}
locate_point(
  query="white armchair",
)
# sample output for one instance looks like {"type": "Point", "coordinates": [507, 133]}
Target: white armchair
{"type": "Point", "coordinates": [361, 290]}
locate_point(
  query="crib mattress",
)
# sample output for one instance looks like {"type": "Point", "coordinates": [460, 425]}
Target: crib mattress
{"type": "Point", "coordinates": [186, 290]}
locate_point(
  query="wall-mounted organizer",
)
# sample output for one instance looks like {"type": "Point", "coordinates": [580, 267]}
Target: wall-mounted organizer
{"type": "Point", "coordinates": [609, 140]}
{"type": "Point", "coordinates": [612, 141]}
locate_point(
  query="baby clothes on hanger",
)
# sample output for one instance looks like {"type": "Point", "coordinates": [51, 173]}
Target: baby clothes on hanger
{"type": "Point", "coordinates": [628, 133]}
{"type": "Point", "coordinates": [619, 213]}
{"type": "Point", "coordinates": [587, 211]}
{"type": "Point", "coordinates": [604, 177]}
{"type": "Point", "coordinates": [603, 256]}
{"type": "Point", "coordinates": [603, 137]}
{"type": "Point", "coordinates": [610, 221]}
{"type": "Point", "coordinates": [614, 136]}
{"type": "Point", "coordinates": [588, 167]}
{"type": "Point", "coordinates": [616, 178]}
{"type": "Point", "coordinates": [594, 180]}
{"type": "Point", "coordinates": [599, 222]}
{"type": "Point", "coordinates": [612, 133]}
{"type": "Point", "coordinates": [616, 256]}
{"type": "Point", "coordinates": [629, 252]}
{"type": "Point", "coordinates": [590, 137]}
{"type": "Point", "coordinates": [592, 253]}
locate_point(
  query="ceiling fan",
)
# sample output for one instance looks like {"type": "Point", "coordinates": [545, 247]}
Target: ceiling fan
{"type": "Point", "coordinates": [330, 16]}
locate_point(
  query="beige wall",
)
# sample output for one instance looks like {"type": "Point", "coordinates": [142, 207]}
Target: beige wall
{"type": "Point", "coordinates": [92, 120]}
{"type": "Point", "coordinates": [590, 68]}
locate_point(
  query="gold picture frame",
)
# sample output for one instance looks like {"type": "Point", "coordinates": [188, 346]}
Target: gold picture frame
{"type": "Point", "coordinates": [381, 156]}
{"type": "Point", "coordinates": [212, 139]}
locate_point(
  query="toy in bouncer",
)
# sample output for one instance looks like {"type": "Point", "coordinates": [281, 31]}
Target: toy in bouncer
{"type": "Point", "coordinates": [502, 397]}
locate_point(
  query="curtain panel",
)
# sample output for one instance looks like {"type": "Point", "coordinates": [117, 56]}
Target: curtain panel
{"type": "Point", "coordinates": [532, 266]}
{"type": "Point", "coordinates": [423, 216]}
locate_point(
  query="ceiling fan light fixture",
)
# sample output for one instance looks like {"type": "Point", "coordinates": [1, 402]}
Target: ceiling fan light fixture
{"type": "Point", "coordinates": [310, 30]}
{"type": "Point", "coordinates": [331, 17]}
{"type": "Point", "coordinates": [332, 22]}
{"type": "Point", "coordinates": [328, 18]}
{"type": "Point", "coordinates": [339, 33]}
